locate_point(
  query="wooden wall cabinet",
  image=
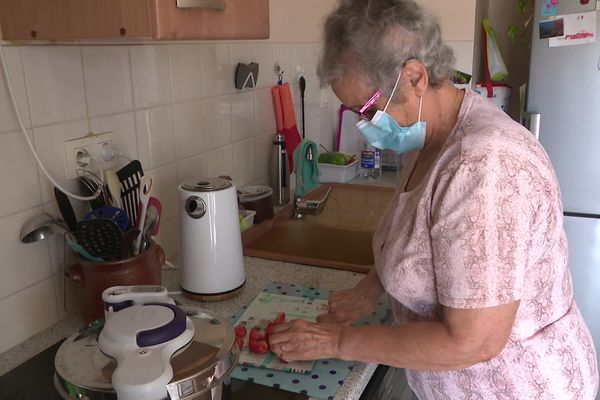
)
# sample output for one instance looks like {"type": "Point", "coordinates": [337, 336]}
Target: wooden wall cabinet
{"type": "Point", "coordinates": [156, 19]}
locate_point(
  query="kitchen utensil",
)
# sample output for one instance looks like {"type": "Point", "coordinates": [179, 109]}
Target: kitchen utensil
{"type": "Point", "coordinates": [93, 278]}
{"type": "Point", "coordinates": [202, 346]}
{"type": "Point", "coordinates": [101, 238]}
{"type": "Point", "coordinates": [129, 179]}
{"type": "Point", "coordinates": [41, 227]}
{"type": "Point", "coordinates": [127, 243]}
{"type": "Point", "coordinates": [144, 195]}
{"type": "Point", "coordinates": [302, 83]}
{"type": "Point", "coordinates": [146, 235]}
{"type": "Point", "coordinates": [91, 184]}
{"type": "Point", "coordinates": [116, 214]}
{"type": "Point", "coordinates": [114, 188]}
{"type": "Point", "coordinates": [155, 206]}
{"type": "Point", "coordinates": [83, 252]}
{"type": "Point", "coordinates": [259, 199]}
{"type": "Point", "coordinates": [211, 245]}
{"type": "Point", "coordinates": [66, 209]}
{"type": "Point", "coordinates": [280, 171]}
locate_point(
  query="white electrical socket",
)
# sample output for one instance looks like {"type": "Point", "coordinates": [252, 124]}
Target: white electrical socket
{"type": "Point", "coordinates": [80, 152]}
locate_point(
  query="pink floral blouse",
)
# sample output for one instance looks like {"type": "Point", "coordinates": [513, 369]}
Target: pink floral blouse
{"type": "Point", "coordinates": [485, 228]}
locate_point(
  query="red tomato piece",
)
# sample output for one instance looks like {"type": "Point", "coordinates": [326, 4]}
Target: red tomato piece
{"type": "Point", "coordinates": [240, 341]}
{"type": "Point", "coordinates": [256, 334]}
{"type": "Point", "coordinates": [240, 331]}
{"type": "Point", "coordinates": [280, 318]}
{"type": "Point", "coordinates": [258, 346]}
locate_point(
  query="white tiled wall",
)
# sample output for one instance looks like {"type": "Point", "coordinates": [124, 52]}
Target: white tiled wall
{"type": "Point", "coordinates": [172, 106]}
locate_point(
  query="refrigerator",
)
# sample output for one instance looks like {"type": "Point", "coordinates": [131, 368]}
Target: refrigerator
{"type": "Point", "coordinates": [563, 100]}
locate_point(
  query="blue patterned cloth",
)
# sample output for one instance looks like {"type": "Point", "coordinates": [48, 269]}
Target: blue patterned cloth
{"type": "Point", "coordinates": [327, 376]}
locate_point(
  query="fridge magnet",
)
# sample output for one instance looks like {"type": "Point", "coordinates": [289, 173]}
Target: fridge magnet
{"type": "Point", "coordinates": [549, 8]}
{"type": "Point", "coordinates": [552, 28]}
{"type": "Point", "coordinates": [578, 29]}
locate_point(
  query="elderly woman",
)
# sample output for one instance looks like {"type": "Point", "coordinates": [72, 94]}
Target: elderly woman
{"type": "Point", "coordinates": [471, 250]}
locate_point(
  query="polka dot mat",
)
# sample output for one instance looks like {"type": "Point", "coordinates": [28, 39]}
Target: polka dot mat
{"type": "Point", "coordinates": [327, 376]}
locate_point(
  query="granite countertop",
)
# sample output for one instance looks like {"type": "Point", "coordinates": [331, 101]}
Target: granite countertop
{"type": "Point", "coordinates": [259, 274]}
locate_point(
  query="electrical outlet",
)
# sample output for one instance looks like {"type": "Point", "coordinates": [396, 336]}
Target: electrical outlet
{"type": "Point", "coordinates": [82, 152]}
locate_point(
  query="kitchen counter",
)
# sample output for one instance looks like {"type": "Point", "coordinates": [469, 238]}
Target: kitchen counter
{"type": "Point", "coordinates": [259, 274]}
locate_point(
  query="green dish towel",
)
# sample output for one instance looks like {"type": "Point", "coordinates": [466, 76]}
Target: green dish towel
{"type": "Point", "coordinates": [307, 171]}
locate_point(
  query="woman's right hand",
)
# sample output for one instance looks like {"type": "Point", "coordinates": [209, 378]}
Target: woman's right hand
{"type": "Point", "coordinates": [348, 306]}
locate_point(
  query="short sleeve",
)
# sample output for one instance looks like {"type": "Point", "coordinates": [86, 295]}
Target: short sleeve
{"type": "Point", "coordinates": [479, 229]}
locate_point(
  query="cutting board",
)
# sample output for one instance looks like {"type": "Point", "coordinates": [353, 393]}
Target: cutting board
{"type": "Point", "coordinates": [264, 309]}
{"type": "Point", "coordinates": [327, 376]}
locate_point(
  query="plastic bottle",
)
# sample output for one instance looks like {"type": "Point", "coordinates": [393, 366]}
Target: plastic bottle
{"type": "Point", "coordinates": [367, 161]}
{"type": "Point", "coordinates": [377, 166]}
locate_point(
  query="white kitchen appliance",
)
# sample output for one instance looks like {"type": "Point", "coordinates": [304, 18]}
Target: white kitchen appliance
{"type": "Point", "coordinates": [212, 263]}
{"type": "Point", "coordinates": [562, 105]}
{"type": "Point", "coordinates": [147, 348]}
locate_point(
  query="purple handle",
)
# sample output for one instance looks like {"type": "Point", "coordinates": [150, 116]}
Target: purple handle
{"type": "Point", "coordinates": [118, 306]}
{"type": "Point", "coordinates": [166, 332]}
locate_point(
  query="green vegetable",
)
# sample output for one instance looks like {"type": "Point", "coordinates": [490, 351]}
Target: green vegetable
{"type": "Point", "coordinates": [335, 158]}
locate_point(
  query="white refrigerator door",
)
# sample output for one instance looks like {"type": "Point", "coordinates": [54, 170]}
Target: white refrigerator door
{"type": "Point", "coordinates": [564, 88]}
{"type": "Point", "coordinates": [583, 235]}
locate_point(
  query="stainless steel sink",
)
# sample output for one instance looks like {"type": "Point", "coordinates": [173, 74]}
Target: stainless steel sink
{"type": "Point", "coordinates": [340, 237]}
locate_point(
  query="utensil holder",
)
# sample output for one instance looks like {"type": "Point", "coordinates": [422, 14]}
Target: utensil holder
{"type": "Point", "coordinates": [93, 278]}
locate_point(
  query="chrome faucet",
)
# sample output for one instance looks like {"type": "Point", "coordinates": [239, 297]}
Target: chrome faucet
{"type": "Point", "coordinates": [302, 206]}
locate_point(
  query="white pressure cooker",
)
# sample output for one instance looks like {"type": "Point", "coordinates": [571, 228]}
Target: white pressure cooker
{"type": "Point", "coordinates": [146, 348]}
{"type": "Point", "coordinates": [212, 262]}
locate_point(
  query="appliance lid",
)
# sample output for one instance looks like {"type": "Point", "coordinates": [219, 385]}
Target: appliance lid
{"type": "Point", "coordinates": [207, 185]}
{"type": "Point", "coordinates": [207, 360]}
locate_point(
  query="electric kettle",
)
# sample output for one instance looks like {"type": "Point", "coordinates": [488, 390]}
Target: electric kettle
{"type": "Point", "coordinates": [212, 262]}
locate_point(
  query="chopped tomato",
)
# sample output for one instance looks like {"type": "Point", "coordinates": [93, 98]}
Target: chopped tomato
{"type": "Point", "coordinates": [240, 331]}
{"type": "Point", "coordinates": [258, 346]}
{"type": "Point", "coordinates": [280, 317]}
{"type": "Point", "coordinates": [240, 341]}
{"type": "Point", "coordinates": [256, 334]}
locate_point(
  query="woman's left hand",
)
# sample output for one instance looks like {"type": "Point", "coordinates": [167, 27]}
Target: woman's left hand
{"type": "Point", "coordinates": [301, 340]}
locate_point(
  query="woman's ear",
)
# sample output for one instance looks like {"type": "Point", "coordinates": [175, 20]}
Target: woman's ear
{"type": "Point", "coordinates": [417, 76]}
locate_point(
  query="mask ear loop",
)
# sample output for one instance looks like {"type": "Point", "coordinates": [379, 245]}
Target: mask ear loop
{"type": "Point", "coordinates": [420, 107]}
{"type": "Point", "coordinates": [393, 92]}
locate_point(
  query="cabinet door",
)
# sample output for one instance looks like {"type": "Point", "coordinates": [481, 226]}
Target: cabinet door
{"type": "Point", "coordinates": [73, 19]}
{"type": "Point", "coordinates": [241, 19]}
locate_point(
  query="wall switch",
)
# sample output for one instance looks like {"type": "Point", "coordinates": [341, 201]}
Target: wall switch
{"type": "Point", "coordinates": [83, 152]}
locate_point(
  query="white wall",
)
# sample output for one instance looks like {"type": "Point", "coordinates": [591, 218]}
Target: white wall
{"type": "Point", "coordinates": [172, 106]}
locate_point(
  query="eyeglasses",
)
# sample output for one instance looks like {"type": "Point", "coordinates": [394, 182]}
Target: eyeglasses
{"type": "Point", "coordinates": [365, 112]}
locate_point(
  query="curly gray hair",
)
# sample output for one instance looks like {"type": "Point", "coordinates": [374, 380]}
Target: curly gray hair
{"type": "Point", "coordinates": [375, 38]}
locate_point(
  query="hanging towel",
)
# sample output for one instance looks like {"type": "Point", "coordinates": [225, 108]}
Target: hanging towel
{"type": "Point", "coordinates": [285, 117]}
{"type": "Point", "coordinates": [307, 171]}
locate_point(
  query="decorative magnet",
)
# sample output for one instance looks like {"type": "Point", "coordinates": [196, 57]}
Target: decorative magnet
{"type": "Point", "coordinates": [550, 8]}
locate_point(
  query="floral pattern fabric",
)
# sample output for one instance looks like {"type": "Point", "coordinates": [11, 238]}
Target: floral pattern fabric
{"type": "Point", "coordinates": [482, 229]}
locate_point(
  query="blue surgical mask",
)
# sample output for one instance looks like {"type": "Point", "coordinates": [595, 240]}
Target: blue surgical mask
{"type": "Point", "coordinates": [383, 132]}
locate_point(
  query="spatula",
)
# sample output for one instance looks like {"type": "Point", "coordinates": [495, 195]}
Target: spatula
{"type": "Point", "coordinates": [129, 178]}
{"type": "Point", "coordinates": [66, 209]}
